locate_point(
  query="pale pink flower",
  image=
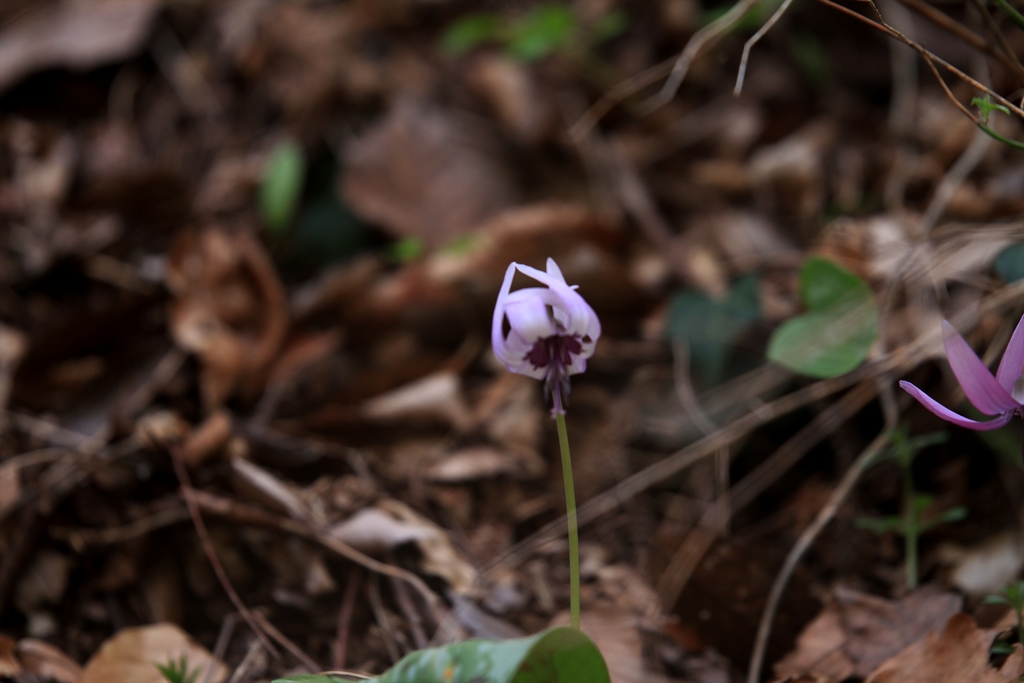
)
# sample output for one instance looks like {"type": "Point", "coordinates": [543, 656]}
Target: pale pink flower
{"type": "Point", "coordinates": [545, 332]}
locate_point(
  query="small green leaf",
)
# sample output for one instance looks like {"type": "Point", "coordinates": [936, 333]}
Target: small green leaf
{"type": "Point", "coordinates": [986, 106]}
{"type": "Point", "coordinates": [836, 333]}
{"type": "Point", "coordinates": [406, 249]}
{"type": "Point", "coordinates": [881, 525]}
{"type": "Point", "coordinates": [283, 178]}
{"type": "Point", "coordinates": [542, 31]}
{"type": "Point", "coordinates": [1010, 263]}
{"type": "Point", "coordinates": [953, 514]}
{"type": "Point", "coordinates": [711, 326]}
{"type": "Point", "coordinates": [177, 671]}
{"type": "Point", "coordinates": [469, 32]}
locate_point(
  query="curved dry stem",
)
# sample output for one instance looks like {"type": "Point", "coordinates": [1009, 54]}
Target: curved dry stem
{"type": "Point", "coordinates": [754, 39]}
{"type": "Point", "coordinates": [803, 543]}
{"type": "Point", "coordinates": [931, 59]}
{"type": "Point", "coordinates": [675, 69]}
{"type": "Point", "coordinates": [709, 33]}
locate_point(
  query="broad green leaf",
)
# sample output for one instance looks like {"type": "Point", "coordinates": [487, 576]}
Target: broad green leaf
{"type": "Point", "coordinates": [836, 333]}
{"type": "Point", "coordinates": [332, 677]}
{"type": "Point", "coordinates": [282, 185]}
{"type": "Point", "coordinates": [711, 326]}
{"type": "Point", "coordinates": [558, 655]}
{"type": "Point", "coordinates": [469, 32]}
{"type": "Point", "coordinates": [1010, 263]}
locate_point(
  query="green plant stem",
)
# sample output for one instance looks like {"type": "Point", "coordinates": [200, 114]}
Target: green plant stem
{"type": "Point", "coordinates": [570, 513]}
{"type": "Point", "coordinates": [1005, 140]}
{"type": "Point", "coordinates": [1015, 16]}
{"type": "Point", "coordinates": [910, 525]}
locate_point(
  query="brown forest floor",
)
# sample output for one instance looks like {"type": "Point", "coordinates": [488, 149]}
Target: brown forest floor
{"type": "Point", "coordinates": [314, 377]}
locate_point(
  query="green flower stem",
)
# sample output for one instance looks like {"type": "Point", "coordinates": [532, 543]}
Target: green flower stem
{"type": "Point", "coordinates": [570, 513]}
{"type": "Point", "coordinates": [911, 525]}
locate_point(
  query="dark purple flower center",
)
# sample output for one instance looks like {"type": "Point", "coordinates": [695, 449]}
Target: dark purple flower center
{"type": "Point", "coordinates": [556, 349]}
{"type": "Point", "coordinates": [555, 354]}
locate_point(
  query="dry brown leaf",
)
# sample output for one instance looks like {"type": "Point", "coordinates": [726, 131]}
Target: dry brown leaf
{"type": "Point", "coordinates": [856, 632]}
{"type": "Point", "coordinates": [207, 438]}
{"type": "Point", "coordinates": [130, 656]}
{"type": "Point", "coordinates": [511, 412]}
{"type": "Point", "coordinates": [9, 664]}
{"type": "Point", "coordinates": [985, 567]}
{"type": "Point", "coordinates": [13, 347]}
{"type": "Point", "coordinates": [526, 234]}
{"type": "Point", "coordinates": [48, 662]}
{"type": "Point", "coordinates": [421, 173]}
{"type": "Point", "coordinates": [229, 309]}
{"type": "Point", "coordinates": [391, 524]}
{"type": "Point", "coordinates": [958, 655]}
{"type": "Point", "coordinates": [481, 462]}
{"type": "Point", "coordinates": [10, 486]}
{"type": "Point", "coordinates": [434, 397]}
{"type": "Point", "coordinates": [511, 90]}
{"type": "Point", "coordinates": [44, 582]}
{"type": "Point", "coordinates": [74, 34]}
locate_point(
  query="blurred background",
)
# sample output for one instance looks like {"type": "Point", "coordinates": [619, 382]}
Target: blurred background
{"type": "Point", "coordinates": [249, 251]}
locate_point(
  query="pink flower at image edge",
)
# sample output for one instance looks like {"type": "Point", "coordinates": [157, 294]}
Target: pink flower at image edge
{"type": "Point", "coordinates": [1001, 396]}
{"type": "Point", "coordinates": [552, 331]}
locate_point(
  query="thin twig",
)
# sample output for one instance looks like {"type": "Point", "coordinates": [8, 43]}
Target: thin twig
{"type": "Point", "coordinates": [993, 26]}
{"type": "Point", "coordinates": [692, 407]}
{"type": "Point", "coordinates": [675, 69]}
{"type": "Point", "coordinates": [931, 59]}
{"type": "Point", "coordinates": [965, 34]}
{"type": "Point", "coordinates": [355, 578]}
{"type": "Point", "coordinates": [710, 33]}
{"type": "Point", "coordinates": [686, 559]}
{"type": "Point", "coordinates": [803, 543]}
{"type": "Point", "coordinates": [188, 493]}
{"type": "Point", "coordinates": [248, 514]}
{"type": "Point", "coordinates": [287, 644]}
{"type": "Point", "coordinates": [754, 40]}
{"type": "Point", "coordinates": [412, 616]}
{"type": "Point", "coordinates": [958, 172]}
{"type": "Point", "coordinates": [248, 663]}
{"type": "Point", "coordinates": [220, 648]}
{"type": "Point", "coordinates": [383, 620]}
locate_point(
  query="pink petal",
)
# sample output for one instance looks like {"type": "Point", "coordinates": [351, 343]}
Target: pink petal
{"type": "Point", "coordinates": [582, 319]}
{"type": "Point", "coordinates": [554, 270]}
{"type": "Point", "coordinates": [529, 318]}
{"type": "Point", "coordinates": [948, 415]}
{"type": "Point", "coordinates": [497, 334]}
{"type": "Point", "coordinates": [980, 387]}
{"type": "Point", "coordinates": [1012, 365]}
